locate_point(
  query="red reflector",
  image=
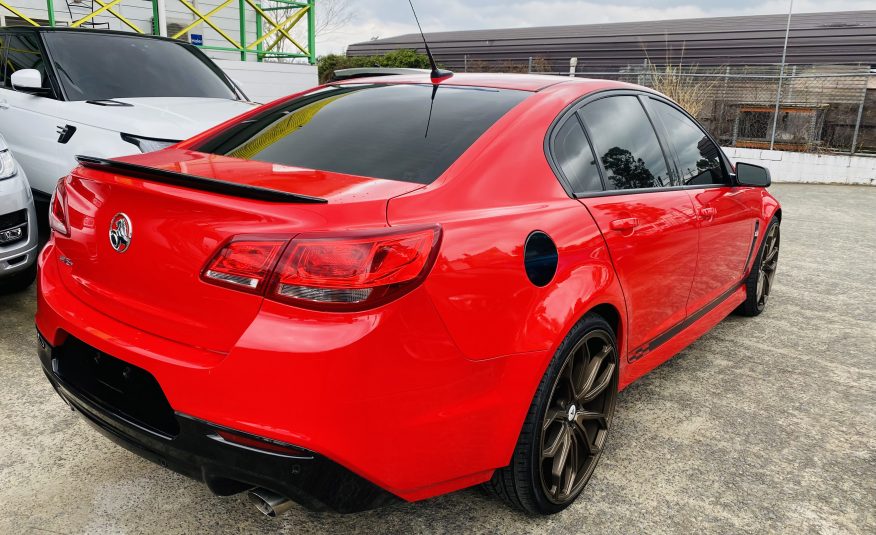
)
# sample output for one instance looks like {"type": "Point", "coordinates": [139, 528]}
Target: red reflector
{"type": "Point", "coordinates": [244, 263]}
{"type": "Point", "coordinates": [262, 444]}
{"type": "Point", "coordinates": [58, 209]}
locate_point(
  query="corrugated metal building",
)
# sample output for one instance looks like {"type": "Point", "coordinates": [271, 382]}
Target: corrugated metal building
{"type": "Point", "coordinates": [730, 62]}
{"type": "Point", "coordinates": [816, 38]}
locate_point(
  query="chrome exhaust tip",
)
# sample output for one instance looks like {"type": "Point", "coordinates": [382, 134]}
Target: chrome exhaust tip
{"type": "Point", "coordinates": [270, 503]}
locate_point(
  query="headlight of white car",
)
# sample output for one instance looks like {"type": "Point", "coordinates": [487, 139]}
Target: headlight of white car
{"type": "Point", "coordinates": [148, 144]}
{"type": "Point", "coordinates": [7, 165]}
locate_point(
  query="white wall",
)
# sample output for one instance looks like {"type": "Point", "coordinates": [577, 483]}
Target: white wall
{"type": "Point", "coordinates": [809, 168]}
{"type": "Point", "coordinates": [264, 82]}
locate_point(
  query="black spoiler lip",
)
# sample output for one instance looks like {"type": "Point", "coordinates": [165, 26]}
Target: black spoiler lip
{"type": "Point", "coordinates": [197, 182]}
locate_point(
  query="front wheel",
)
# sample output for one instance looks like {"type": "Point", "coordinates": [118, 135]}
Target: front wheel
{"type": "Point", "coordinates": [567, 424]}
{"type": "Point", "coordinates": [759, 283]}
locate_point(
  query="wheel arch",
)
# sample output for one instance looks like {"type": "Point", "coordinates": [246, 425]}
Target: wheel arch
{"type": "Point", "coordinates": [612, 315]}
{"type": "Point", "coordinates": [609, 310]}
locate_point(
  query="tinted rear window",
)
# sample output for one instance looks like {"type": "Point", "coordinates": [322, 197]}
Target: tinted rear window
{"type": "Point", "coordinates": [411, 133]}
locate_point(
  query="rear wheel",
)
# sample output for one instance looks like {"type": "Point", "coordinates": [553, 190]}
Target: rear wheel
{"type": "Point", "coordinates": [759, 283]}
{"type": "Point", "coordinates": [18, 282]}
{"type": "Point", "coordinates": [567, 424]}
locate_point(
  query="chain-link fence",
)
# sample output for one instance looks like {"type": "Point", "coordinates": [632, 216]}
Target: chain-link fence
{"type": "Point", "coordinates": [820, 108]}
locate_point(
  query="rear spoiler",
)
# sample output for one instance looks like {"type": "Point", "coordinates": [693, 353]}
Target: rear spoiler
{"type": "Point", "coordinates": [368, 72]}
{"type": "Point", "coordinates": [197, 182]}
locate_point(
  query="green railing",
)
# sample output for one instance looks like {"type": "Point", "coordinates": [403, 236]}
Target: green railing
{"type": "Point", "coordinates": [272, 36]}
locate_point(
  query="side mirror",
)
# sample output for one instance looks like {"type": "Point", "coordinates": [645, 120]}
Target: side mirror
{"type": "Point", "coordinates": [28, 81]}
{"type": "Point", "coordinates": [752, 175]}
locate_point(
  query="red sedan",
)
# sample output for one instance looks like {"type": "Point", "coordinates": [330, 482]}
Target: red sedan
{"type": "Point", "coordinates": [392, 288]}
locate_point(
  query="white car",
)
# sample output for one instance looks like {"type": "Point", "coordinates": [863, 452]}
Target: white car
{"type": "Point", "coordinates": [18, 229]}
{"type": "Point", "coordinates": [66, 92]}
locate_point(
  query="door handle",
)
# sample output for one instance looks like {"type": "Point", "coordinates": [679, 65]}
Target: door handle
{"type": "Point", "coordinates": [4, 105]}
{"type": "Point", "coordinates": [624, 224]}
{"type": "Point", "coordinates": [708, 214]}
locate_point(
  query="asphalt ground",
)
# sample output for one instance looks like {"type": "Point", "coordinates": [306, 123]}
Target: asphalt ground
{"type": "Point", "coordinates": [764, 425]}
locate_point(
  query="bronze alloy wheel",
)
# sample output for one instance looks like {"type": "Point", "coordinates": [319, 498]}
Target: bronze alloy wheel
{"type": "Point", "coordinates": [768, 264]}
{"type": "Point", "coordinates": [760, 280]}
{"type": "Point", "coordinates": [579, 412]}
{"type": "Point", "coordinates": [567, 423]}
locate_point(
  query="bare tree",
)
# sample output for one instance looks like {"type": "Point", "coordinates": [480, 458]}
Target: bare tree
{"type": "Point", "coordinates": [680, 82]}
{"type": "Point", "coordinates": [331, 16]}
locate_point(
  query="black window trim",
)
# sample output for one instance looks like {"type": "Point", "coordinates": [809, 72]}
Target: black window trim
{"type": "Point", "coordinates": [3, 49]}
{"type": "Point", "coordinates": [576, 106]}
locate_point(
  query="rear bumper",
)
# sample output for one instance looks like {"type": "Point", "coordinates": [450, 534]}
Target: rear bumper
{"type": "Point", "coordinates": [384, 394]}
{"type": "Point", "coordinates": [198, 451]}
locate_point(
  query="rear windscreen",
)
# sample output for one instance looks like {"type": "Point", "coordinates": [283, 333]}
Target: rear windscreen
{"type": "Point", "coordinates": [411, 133]}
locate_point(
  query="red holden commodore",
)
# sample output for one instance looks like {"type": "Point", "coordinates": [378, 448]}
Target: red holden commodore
{"type": "Point", "coordinates": [391, 288]}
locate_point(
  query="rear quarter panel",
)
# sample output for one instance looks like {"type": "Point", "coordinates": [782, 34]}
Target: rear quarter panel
{"type": "Point", "coordinates": [488, 203]}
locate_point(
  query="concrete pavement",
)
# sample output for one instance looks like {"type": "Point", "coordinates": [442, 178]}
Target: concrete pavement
{"type": "Point", "coordinates": [763, 425]}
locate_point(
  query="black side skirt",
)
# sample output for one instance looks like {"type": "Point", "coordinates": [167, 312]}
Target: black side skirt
{"type": "Point", "coordinates": [670, 333]}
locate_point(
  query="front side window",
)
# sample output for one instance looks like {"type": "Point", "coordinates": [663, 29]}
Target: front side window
{"type": "Point", "coordinates": [575, 157]}
{"type": "Point", "coordinates": [699, 160]}
{"type": "Point", "coordinates": [626, 143]}
{"type": "Point", "coordinates": [411, 133]}
{"type": "Point", "coordinates": [23, 52]}
{"type": "Point", "coordinates": [102, 66]}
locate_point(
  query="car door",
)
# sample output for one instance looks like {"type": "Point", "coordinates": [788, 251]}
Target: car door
{"type": "Point", "coordinates": [727, 215]}
{"type": "Point", "coordinates": [649, 227]}
{"type": "Point", "coordinates": [30, 122]}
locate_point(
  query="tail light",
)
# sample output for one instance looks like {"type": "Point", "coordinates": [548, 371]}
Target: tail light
{"type": "Point", "coordinates": [349, 271]}
{"type": "Point", "coordinates": [58, 209]}
{"type": "Point", "coordinates": [244, 263]}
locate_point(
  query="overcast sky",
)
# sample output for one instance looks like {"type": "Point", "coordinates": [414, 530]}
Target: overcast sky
{"type": "Point", "coordinates": [387, 18]}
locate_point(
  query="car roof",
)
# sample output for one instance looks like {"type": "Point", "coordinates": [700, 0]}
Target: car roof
{"type": "Point", "coordinates": [520, 82]}
{"type": "Point", "coordinates": [48, 29]}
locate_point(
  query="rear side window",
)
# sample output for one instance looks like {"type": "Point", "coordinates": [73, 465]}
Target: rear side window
{"type": "Point", "coordinates": [626, 143]}
{"type": "Point", "coordinates": [699, 160]}
{"type": "Point", "coordinates": [23, 52]}
{"type": "Point", "coordinates": [575, 157]}
{"type": "Point", "coordinates": [411, 133]}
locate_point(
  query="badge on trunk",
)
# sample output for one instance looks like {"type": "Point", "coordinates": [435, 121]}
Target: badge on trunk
{"type": "Point", "coordinates": [121, 232]}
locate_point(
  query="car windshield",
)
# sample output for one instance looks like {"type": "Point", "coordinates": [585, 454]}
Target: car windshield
{"type": "Point", "coordinates": [98, 66]}
{"type": "Point", "coordinates": [411, 133]}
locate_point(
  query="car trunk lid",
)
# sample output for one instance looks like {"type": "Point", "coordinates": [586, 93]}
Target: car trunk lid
{"type": "Point", "coordinates": [155, 285]}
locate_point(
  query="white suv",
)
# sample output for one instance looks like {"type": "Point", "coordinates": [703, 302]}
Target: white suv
{"type": "Point", "coordinates": [18, 231]}
{"type": "Point", "coordinates": [65, 92]}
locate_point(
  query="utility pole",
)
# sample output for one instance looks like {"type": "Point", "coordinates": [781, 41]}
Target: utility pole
{"type": "Point", "coordinates": [781, 77]}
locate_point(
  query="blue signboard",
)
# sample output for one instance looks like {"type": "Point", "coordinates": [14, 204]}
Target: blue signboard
{"type": "Point", "coordinates": [197, 39]}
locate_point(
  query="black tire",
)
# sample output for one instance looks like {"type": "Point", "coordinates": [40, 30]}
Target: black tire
{"type": "Point", "coordinates": [525, 483]}
{"type": "Point", "coordinates": [759, 283]}
{"type": "Point", "coordinates": [18, 282]}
